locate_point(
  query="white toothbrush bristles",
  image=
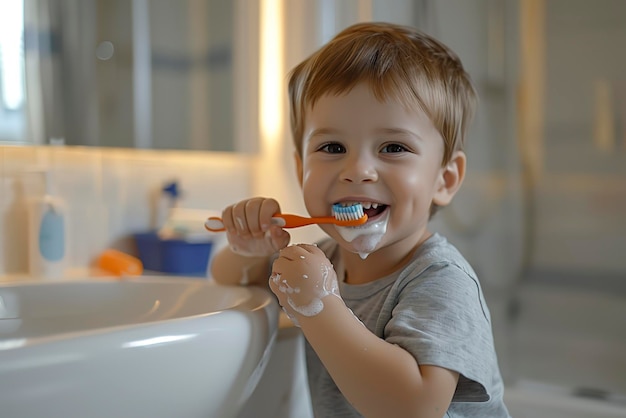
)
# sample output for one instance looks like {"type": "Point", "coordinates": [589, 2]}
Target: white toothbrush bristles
{"type": "Point", "coordinates": [348, 213]}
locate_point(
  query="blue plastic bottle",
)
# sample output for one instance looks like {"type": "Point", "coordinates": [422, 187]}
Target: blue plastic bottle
{"type": "Point", "coordinates": [47, 236]}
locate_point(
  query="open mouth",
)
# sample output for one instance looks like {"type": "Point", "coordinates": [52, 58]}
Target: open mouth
{"type": "Point", "coordinates": [372, 210]}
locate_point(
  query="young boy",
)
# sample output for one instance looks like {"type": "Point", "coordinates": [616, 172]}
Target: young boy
{"type": "Point", "coordinates": [394, 317]}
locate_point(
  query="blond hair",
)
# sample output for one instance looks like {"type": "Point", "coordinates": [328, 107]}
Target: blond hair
{"type": "Point", "coordinates": [398, 63]}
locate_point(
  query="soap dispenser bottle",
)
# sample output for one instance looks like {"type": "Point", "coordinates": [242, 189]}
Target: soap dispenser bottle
{"type": "Point", "coordinates": [47, 234]}
{"type": "Point", "coordinates": [167, 200]}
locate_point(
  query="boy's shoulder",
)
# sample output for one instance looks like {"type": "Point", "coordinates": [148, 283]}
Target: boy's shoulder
{"type": "Point", "coordinates": [437, 251]}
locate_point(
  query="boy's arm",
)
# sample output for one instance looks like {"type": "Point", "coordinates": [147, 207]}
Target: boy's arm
{"type": "Point", "coordinates": [230, 268]}
{"type": "Point", "coordinates": [378, 378]}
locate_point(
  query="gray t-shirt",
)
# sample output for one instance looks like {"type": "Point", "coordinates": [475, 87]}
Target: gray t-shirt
{"type": "Point", "coordinates": [434, 308]}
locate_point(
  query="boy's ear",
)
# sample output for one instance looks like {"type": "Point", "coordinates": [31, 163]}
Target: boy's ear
{"type": "Point", "coordinates": [450, 179]}
{"type": "Point", "coordinates": [299, 171]}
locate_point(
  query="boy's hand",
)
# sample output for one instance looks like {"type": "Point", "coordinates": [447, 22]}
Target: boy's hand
{"type": "Point", "coordinates": [301, 277]}
{"type": "Point", "coordinates": [249, 229]}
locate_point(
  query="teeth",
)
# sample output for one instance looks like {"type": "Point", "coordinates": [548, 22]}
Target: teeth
{"type": "Point", "coordinates": [366, 205]}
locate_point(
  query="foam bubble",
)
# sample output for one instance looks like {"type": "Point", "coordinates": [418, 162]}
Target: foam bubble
{"type": "Point", "coordinates": [365, 239]}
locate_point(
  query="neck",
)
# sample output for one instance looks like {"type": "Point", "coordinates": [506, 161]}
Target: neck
{"type": "Point", "coordinates": [382, 262]}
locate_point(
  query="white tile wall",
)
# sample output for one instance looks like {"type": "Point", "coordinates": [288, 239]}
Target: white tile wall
{"type": "Point", "coordinates": [109, 193]}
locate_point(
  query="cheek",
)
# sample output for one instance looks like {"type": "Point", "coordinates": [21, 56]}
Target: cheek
{"type": "Point", "coordinates": [316, 176]}
{"type": "Point", "coordinates": [413, 186]}
{"type": "Point", "coordinates": [406, 182]}
{"type": "Point", "coordinates": [422, 175]}
{"type": "Point", "coordinates": [307, 178]}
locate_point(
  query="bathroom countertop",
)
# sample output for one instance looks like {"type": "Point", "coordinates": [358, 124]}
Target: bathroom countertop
{"type": "Point", "coordinates": [11, 278]}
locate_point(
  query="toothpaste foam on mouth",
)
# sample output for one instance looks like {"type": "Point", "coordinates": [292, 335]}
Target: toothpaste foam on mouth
{"type": "Point", "coordinates": [364, 239]}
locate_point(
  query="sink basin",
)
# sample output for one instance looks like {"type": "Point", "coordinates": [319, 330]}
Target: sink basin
{"type": "Point", "coordinates": [140, 347]}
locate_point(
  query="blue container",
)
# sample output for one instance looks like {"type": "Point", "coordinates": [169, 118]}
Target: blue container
{"type": "Point", "coordinates": [173, 256]}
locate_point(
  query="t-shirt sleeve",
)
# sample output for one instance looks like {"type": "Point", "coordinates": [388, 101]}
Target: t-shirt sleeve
{"type": "Point", "coordinates": [441, 318]}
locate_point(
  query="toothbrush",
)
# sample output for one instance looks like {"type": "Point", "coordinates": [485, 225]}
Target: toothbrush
{"type": "Point", "coordinates": [352, 215]}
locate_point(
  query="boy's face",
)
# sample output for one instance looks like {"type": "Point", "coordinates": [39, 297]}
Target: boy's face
{"type": "Point", "coordinates": [357, 149]}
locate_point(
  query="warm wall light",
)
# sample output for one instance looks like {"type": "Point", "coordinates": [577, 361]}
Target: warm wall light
{"type": "Point", "coordinates": [271, 70]}
{"type": "Point", "coordinates": [11, 55]}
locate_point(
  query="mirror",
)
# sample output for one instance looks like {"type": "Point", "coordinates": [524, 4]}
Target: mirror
{"type": "Point", "coordinates": [155, 74]}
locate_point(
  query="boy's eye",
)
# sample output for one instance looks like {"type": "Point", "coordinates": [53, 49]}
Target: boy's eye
{"type": "Point", "coordinates": [333, 148]}
{"type": "Point", "coordinates": [393, 148]}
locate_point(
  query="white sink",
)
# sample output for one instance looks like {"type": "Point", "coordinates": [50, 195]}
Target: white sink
{"type": "Point", "coordinates": [141, 347]}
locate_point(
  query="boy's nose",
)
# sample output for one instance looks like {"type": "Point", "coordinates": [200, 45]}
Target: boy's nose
{"type": "Point", "coordinates": [359, 170]}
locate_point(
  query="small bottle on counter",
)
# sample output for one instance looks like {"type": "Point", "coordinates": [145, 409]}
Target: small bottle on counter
{"type": "Point", "coordinates": [47, 234]}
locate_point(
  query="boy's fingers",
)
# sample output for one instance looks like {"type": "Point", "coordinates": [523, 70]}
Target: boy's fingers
{"type": "Point", "coordinates": [267, 209]}
{"type": "Point", "coordinates": [252, 214]}
{"type": "Point", "coordinates": [227, 219]}
{"type": "Point", "coordinates": [239, 221]}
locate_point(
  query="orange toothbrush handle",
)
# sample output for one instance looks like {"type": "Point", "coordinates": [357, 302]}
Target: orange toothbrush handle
{"type": "Point", "coordinates": [284, 220]}
{"type": "Point", "coordinates": [295, 221]}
